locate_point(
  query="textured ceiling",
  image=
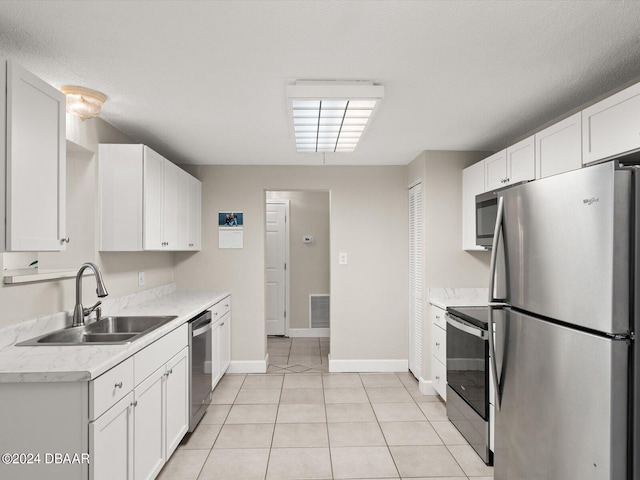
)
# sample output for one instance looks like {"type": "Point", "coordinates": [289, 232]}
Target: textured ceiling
{"type": "Point", "coordinates": [204, 82]}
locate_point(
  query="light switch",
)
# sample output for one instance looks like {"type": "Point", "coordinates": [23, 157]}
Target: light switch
{"type": "Point", "coordinates": [342, 258]}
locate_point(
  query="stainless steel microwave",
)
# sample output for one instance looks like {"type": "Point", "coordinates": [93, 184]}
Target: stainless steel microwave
{"type": "Point", "coordinates": [486, 211]}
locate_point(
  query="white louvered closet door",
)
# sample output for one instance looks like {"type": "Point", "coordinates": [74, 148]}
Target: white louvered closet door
{"type": "Point", "coordinates": [415, 280]}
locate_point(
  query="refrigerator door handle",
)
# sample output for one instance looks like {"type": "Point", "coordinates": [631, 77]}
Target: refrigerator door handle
{"type": "Point", "coordinates": [493, 366]}
{"type": "Point", "coordinates": [494, 251]}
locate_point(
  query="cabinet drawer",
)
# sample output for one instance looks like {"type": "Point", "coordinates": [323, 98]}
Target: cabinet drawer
{"type": "Point", "coordinates": [438, 318]}
{"type": "Point", "coordinates": [439, 377]}
{"type": "Point", "coordinates": [110, 387]}
{"type": "Point", "coordinates": [221, 308]}
{"type": "Point", "coordinates": [439, 343]}
{"type": "Point", "coordinates": [149, 359]}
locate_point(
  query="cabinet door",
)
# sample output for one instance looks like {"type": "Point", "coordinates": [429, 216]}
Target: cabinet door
{"type": "Point", "coordinates": [148, 421]}
{"type": "Point", "coordinates": [495, 170]}
{"type": "Point", "coordinates": [36, 163]}
{"type": "Point", "coordinates": [195, 214]}
{"type": "Point", "coordinates": [225, 343]}
{"type": "Point", "coordinates": [472, 185]}
{"type": "Point", "coordinates": [111, 442]}
{"type": "Point", "coordinates": [152, 203]}
{"type": "Point", "coordinates": [612, 126]}
{"type": "Point", "coordinates": [184, 210]}
{"type": "Point", "coordinates": [216, 372]}
{"type": "Point", "coordinates": [176, 400]}
{"type": "Point", "coordinates": [170, 192]}
{"type": "Point", "coordinates": [521, 161]}
{"type": "Point", "coordinates": [439, 377]}
{"type": "Point", "coordinates": [559, 147]}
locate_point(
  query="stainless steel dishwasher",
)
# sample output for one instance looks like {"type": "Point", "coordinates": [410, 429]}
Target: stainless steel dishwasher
{"type": "Point", "coordinates": [199, 367]}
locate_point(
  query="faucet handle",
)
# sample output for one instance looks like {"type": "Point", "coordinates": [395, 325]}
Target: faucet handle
{"type": "Point", "coordinates": [88, 311]}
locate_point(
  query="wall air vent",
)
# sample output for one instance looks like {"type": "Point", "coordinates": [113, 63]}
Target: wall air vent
{"type": "Point", "coordinates": [319, 310]}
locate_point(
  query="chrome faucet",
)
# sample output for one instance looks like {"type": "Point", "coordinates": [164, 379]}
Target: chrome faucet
{"type": "Point", "coordinates": [79, 312]}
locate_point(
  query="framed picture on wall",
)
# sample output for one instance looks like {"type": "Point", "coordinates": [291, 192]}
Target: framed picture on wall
{"type": "Point", "coordinates": [230, 219]}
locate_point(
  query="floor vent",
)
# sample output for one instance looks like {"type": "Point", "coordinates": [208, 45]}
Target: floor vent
{"type": "Point", "coordinates": [319, 310]}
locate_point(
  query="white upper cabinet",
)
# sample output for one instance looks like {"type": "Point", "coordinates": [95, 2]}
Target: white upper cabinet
{"type": "Point", "coordinates": [161, 182]}
{"type": "Point", "coordinates": [521, 161]}
{"type": "Point", "coordinates": [35, 163]}
{"type": "Point", "coordinates": [472, 185]}
{"type": "Point", "coordinates": [612, 127]}
{"type": "Point", "coordinates": [513, 165]}
{"type": "Point", "coordinates": [189, 215]}
{"type": "Point", "coordinates": [495, 170]}
{"type": "Point", "coordinates": [559, 147]}
{"type": "Point", "coordinates": [142, 201]}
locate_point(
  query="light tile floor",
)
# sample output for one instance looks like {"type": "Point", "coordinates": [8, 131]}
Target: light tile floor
{"type": "Point", "coordinates": [300, 422]}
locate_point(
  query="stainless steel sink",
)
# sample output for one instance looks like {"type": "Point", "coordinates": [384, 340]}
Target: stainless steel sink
{"type": "Point", "coordinates": [106, 331]}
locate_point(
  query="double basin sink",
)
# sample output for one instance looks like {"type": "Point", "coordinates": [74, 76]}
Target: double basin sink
{"type": "Point", "coordinates": [106, 331]}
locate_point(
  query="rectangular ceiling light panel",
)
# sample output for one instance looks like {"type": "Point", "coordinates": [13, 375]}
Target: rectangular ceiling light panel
{"type": "Point", "coordinates": [331, 117]}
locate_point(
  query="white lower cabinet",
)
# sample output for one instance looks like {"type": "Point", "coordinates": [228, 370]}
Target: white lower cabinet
{"type": "Point", "coordinates": [439, 351]}
{"type": "Point", "coordinates": [177, 403]}
{"type": "Point", "coordinates": [111, 442]}
{"type": "Point", "coordinates": [220, 339]}
{"type": "Point", "coordinates": [147, 427]}
{"type": "Point", "coordinates": [135, 437]}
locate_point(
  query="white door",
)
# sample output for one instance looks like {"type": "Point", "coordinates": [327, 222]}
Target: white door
{"type": "Point", "coordinates": [148, 421]}
{"type": "Point", "coordinates": [276, 258]}
{"type": "Point", "coordinates": [152, 172]}
{"type": "Point", "coordinates": [415, 280]}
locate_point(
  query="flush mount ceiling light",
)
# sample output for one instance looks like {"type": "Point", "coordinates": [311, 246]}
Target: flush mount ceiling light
{"type": "Point", "coordinates": [83, 102]}
{"type": "Point", "coordinates": [331, 116]}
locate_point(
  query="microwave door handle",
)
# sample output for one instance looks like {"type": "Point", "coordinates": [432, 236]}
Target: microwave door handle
{"type": "Point", "coordinates": [494, 251]}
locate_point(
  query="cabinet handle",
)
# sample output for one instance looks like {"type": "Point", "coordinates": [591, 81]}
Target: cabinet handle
{"type": "Point", "coordinates": [437, 377]}
{"type": "Point", "coordinates": [64, 240]}
{"type": "Point", "coordinates": [170, 371]}
{"type": "Point", "coordinates": [226, 305]}
{"type": "Point", "coordinates": [215, 314]}
{"type": "Point", "coordinates": [437, 345]}
{"type": "Point", "coordinates": [191, 244]}
{"type": "Point", "coordinates": [118, 385]}
{"type": "Point", "coordinates": [222, 324]}
{"type": "Point", "coordinates": [437, 317]}
{"type": "Point", "coordinates": [134, 404]}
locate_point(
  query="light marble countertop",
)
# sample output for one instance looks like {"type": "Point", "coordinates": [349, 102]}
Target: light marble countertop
{"type": "Point", "coordinates": [458, 297]}
{"type": "Point", "coordinates": [86, 362]}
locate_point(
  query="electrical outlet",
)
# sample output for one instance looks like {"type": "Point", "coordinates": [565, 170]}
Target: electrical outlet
{"type": "Point", "coordinates": [140, 279]}
{"type": "Point", "coordinates": [342, 258]}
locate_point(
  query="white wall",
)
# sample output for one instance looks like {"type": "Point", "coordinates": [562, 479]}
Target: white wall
{"type": "Point", "coordinates": [445, 263]}
{"type": "Point", "coordinates": [25, 301]}
{"type": "Point", "coordinates": [368, 221]}
{"type": "Point", "coordinates": [308, 262]}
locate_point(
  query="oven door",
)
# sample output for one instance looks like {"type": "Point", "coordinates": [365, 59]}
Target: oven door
{"type": "Point", "coordinates": [468, 363]}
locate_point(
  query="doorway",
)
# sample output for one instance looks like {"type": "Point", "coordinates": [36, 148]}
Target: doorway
{"type": "Point", "coordinates": [297, 296]}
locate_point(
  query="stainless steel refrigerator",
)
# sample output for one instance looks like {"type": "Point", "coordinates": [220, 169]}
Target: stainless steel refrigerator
{"type": "Point", "coordinates": [565, 263]}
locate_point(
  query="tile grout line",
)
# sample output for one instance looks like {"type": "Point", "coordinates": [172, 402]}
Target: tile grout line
{"type": "Point", "coordinates": [380, 427]}
{"type": "Point", "coordinates": [273, 434]}
{"type": "Point", "coordinates": [326, 422]}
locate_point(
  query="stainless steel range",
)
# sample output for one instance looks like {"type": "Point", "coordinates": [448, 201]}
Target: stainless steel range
{"type": "Point", "coordinates": [468, 376]}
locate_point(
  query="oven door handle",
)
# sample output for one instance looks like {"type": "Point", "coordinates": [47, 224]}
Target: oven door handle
{"type": "Point", "coordinates": [475, 331]}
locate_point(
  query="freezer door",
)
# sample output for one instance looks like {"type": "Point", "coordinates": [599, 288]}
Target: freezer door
{"type": "Point", "coordinates": [563, 402]}
{"type": "Point", "coordinates": [567, 247]}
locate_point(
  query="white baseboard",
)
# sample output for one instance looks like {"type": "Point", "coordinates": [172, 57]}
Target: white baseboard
{"type": "Point", "coordinates": [426, 387]}
{"type": "Point", "coordinates": [309, 332]}
{"type": "Point", "coordinates": [368, 365]}
{"type": "Point", "coordinates": [249, 366]}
